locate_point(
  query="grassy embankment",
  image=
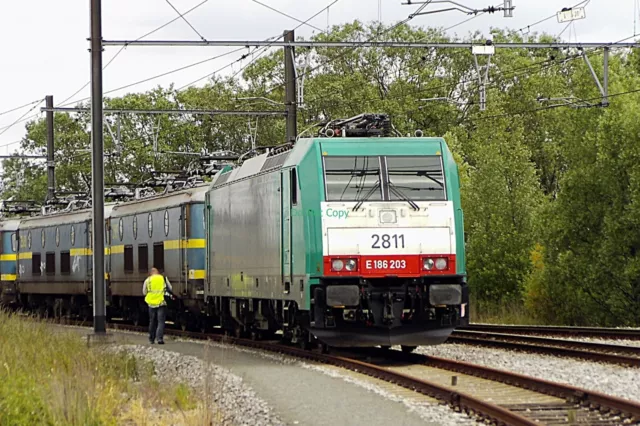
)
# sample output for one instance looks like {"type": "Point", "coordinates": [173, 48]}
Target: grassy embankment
{"type": "Point", "coordinates": [495, 313]}
{"type": "Point", "coordinates": [53, 378]}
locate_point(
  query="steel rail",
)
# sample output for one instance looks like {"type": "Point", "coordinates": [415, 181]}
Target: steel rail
{"type": "Point", "coordinates": [605, 333]}
{"type": "Point", "coordinates": [550, 346]}
{"type": "Point", "coordinates": [572, 394]}
{"type": "Point", "coordinates": [602, 347]}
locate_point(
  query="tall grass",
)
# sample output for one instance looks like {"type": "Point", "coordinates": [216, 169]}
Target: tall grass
{"type": "Point", "coordinates": [49, 377]}
{"type": "Point", "coordinates": [501, 313]}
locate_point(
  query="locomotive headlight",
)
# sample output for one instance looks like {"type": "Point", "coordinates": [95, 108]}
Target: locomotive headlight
{"type": "Point", "coordinates": [441, 263]}
{"type": "Point", "coordinates": [337, 265]}
{"type": "Point", "coordinates": [351, 265]}
{"type": "Point", "coordinates": [427, 264]}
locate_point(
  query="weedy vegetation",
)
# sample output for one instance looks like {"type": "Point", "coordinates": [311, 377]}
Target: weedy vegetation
{"type": "Point", "coordinates": [49, 376]}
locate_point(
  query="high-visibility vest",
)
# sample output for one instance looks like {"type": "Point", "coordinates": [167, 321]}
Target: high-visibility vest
{"type": "Point", "coordinates": [155, 291]}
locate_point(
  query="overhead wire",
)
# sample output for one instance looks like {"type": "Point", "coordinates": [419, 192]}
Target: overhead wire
{"type": "Point", "coordinates": [528, 27]}
{"type": "Point", "coordinates": [294, 18]}
{"type": "Point", "coordinates": [305, 22]}
{"type": "Point", "coordinates": [20, 107]}
{"type": "Point", "coordinates": [63, 103]}
{"type": "Point", "coordinates": [5, 129]}
{"type": "Point", "coordinates": [265, 48]}
{"type": "Point", "coordinates": [388, 30]}
{"type": "Point", "coordinates": [548, 107]}
{"type": "Point", "coordinates": [199, 63]}
{"type": "Point", "coordinates": [186, 20]}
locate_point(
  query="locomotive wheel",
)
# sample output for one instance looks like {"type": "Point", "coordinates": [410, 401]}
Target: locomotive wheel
{"type": "Point", "coordinates": [256, 335]}
{"type": "Point", "coordinates": [408, 349]}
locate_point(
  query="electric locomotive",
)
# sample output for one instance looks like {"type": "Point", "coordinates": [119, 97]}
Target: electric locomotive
{"type": "Point", "coordinates": [352, 238]}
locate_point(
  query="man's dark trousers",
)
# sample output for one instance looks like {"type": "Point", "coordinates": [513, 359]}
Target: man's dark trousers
{"type": "Point", "coordinates": [157, 318]}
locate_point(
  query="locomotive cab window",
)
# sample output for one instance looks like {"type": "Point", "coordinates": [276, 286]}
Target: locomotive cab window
{"type": "Point", "coordinates": [352, 178]}
{"type": "Point", "coordinates": [419, 178]}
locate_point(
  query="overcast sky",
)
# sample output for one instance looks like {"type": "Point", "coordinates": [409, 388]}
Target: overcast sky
{"type": "Point", "coordinates": [44, 47]}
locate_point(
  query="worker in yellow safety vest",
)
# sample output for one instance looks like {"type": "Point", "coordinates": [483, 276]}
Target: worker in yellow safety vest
{"type": "Point", "coordinates": [154, 290]}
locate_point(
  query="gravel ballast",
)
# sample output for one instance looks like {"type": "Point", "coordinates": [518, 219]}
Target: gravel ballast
{"type": "Point", "coordinates": [431, 413]}
{"type": "Point", "coordinates": [238, 404]}
{"type": "Point", "coordinates": [606, 378]}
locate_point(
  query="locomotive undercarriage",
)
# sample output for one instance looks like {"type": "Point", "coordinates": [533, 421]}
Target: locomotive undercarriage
{"type": "Point", "coordinates": [390, 311]}
{"type": "Point", "coordinates": [344, 313]}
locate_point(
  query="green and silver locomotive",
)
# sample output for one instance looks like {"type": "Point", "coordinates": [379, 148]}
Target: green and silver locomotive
{"type": "Point", "coordinates": [351, 238]}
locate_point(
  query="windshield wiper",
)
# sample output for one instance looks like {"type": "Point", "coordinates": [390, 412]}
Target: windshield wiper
{"type": "Point", "coordinates": [426, 174]}
{"type": "Point", "coordinates": [367, 195]}
{"type": "Point", "coordinates": [401, 195]}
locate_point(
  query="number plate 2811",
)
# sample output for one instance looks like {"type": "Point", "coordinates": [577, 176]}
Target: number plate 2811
{"type": "Point", "coordinates": [387, 241]}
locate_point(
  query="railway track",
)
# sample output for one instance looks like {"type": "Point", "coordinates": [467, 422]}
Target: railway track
{"type": "Point", "coordinates": [558, 331]}
{"type": "Point", "coordinates": [601, 352]}
{"type": "Point", "coordinates": [495, 396]}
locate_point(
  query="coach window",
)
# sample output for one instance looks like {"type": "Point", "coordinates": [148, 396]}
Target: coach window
{"type": "Point", "coordinates": [294, 187]}
{"type": "Point", "coordinates": [29, 239]}
{"type": "Point", "coordinates": [73, 235]}
{"type": "Point", "coordinates": [166, 222]}
{"type": "Point", "coordinates": [158, 256]}
{"type": "Point", "coordinates": [35, 263]}
{"type": "Point", "coordinates": [43, 237]}
{"type": "Point", "coordinates": [150, 224]}
{"type": "Point", "coordinates": [57, 237]}
{"type": "Point", "coordinates": [14, 241]}
{"type": "Point", "coordinates": [128, 258]}
{"type": "Point", "coordinates": [135, 227]}
{"type": "Point", "coordinates": [65, 262]}
{"type": "Point", "coordinates": [352, 178]}
{"type": "Point", "coordinates": [143, 258]}
{"type": "Point", "coordinates": [120, 229]}
{"type": "Point", "coordinates": [50, 265]}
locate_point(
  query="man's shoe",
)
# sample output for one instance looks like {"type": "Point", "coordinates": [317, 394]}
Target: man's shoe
{"type": "Point", "coordinates": [161, 342]}
{"type": "Point", "coordinates": [152, 342]}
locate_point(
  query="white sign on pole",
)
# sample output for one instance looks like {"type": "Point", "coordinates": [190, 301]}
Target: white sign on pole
{"type": "Point", "coordinates": [571, 14]}
{"type": "Point", "coordinates": [483, 50]}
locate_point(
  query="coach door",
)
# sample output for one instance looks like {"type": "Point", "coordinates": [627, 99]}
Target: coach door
{"type": "Point", "coordinates": [286, 255]}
